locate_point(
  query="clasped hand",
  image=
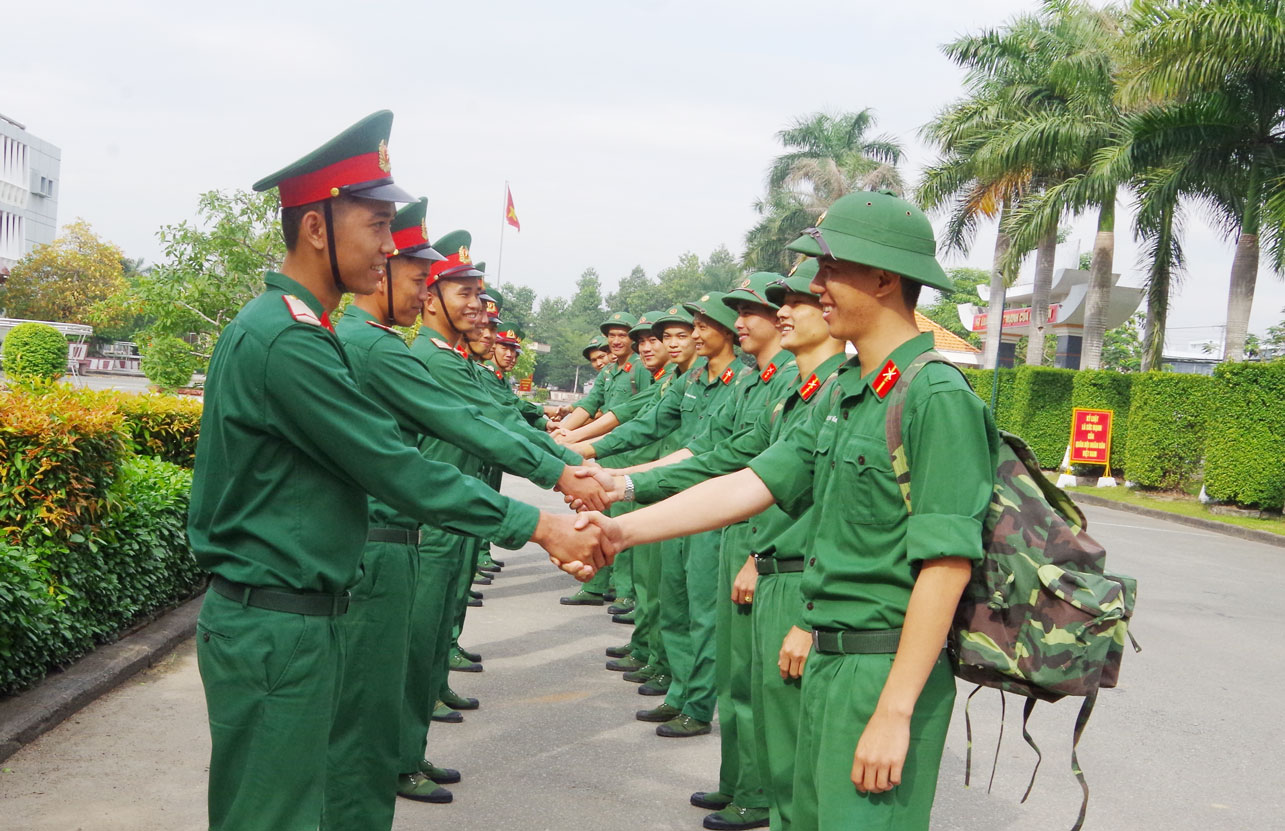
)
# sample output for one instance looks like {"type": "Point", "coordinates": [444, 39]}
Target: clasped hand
{"type": "Point", "coordinates": [586, 488]}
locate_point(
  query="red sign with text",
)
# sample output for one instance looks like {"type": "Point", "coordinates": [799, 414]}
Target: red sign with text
{"type": "Point", "coordinates": [1090, 436]}
{"type": "Point", "coordinates": [524, 385]}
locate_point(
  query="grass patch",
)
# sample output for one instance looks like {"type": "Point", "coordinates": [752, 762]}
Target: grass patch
{"type": "Point", "coordinates": [1183, 504]}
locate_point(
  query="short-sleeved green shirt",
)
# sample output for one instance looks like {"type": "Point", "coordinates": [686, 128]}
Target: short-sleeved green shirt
{"type": "Point", "coordinates": [290, 447]}
{"type": "Point", "coordinates": [865, 551]}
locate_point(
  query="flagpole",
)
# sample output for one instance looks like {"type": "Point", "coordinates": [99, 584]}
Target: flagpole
{"type": "Point", "coordinates": [504, 220]}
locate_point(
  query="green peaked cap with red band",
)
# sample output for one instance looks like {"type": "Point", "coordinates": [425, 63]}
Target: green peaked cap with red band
{"type": "Point", "coordinates": [753, 289]}
{"type": "Point", "coordinates": [623, 320]}
{"type": "Point", "coordinates": [410, 232]}
{"type": "Point", "coordinates": [457, 264]}
{"type": "Point", "coordinates": [712, 307]}
{"type": "Point", "coordinates": [353, 163]}
{"type": "Point", "coordinates": [799, 281]}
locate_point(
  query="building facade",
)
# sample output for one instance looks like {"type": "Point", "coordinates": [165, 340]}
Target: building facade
{"type": "Point", "coordinates": [29, 184]}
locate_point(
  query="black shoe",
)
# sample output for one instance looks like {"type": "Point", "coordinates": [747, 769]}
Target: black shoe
{"type": "Point", "coordinates": [475, 657]}
{"type": "Point", "coordinates": [735, 817]}
{"type": "Point", "coordinates": [440, 776]}
{"type": "Point", "coordinates": [474, 603]}
{"type": "Point", "coordinates": [658, 714]}
{"type": "Point", "coordinates": [476, 595]}
{"type": "Point", "coordinates": [420, 788]}
{"type": "Point", "coordinates": [622, 607]}
{"type": "Point", "coordinates": [479, 580]}
{"type": "Point", "coordinates": [656, 685]}
{"type": "Point", "coordinates": [711, 800]}
{"type": "Point", "coordinates": [617, 651]}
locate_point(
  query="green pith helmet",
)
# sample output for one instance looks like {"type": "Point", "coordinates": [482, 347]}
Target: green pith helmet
{"type": "Point", "coordinates": [354, 163]}
{"type": "Point", "coordinates": [672, 315]}
{"type": "Point", "coordinates": [597, 343]}
{"type": "Point", "coordinates": [618, 319]}
{"type": "Point", "coordinates": [753, 289]}
{"type": "Point", "coordinates": [799, 280]}
{"type": "Point", "coordinates": [644, 325]}
{"type": "Point", "coordinates": [712, 307]}
{"type": "Point", "coordinates": [879, 230]}
{"type": "Point", "coordinates": [457, 263]}
{"type": "Point", "coordinates": [410, 233]}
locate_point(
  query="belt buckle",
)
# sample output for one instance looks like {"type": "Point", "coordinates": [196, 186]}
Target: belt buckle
{"type": "Point", "coordinates": [816, 640]}
{"type": "Point", "coordinates": [340, 599]}
{"type": "Point", "coordinates": [419, 535]}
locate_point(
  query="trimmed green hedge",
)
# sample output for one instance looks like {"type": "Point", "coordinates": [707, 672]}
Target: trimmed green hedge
{"type": "Point", "coordinates": [1105, 389]}
{"type": "Point", "coordinates": [1168, 414]}
{"type": "Point", "coordinates": [1245, 447]}
{"type": "Point", "coordinates": [168, 362]}
{"type": "Point", "coordinates": [34, 351]}
{"type": "Point", "coordinates": [982, 381]}
{"type": "Point", "coordinates": [59, 599]}
{"type": "Point", "coordinates": [1042, 409]}
{"type": "Point", "coordinates": [165, 426]}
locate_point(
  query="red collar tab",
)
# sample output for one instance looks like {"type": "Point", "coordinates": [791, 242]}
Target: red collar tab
{"type": "Point", "coordinates": [768, 373]}
{"type": "Point", "coordinates": [810, 387]}
{"type": "Point", "coordinates": [499, 373]}
{"type": "Point", "coordinates": [727, 376]}
{"type": "Point", "coordinates": [325, 183]}
{"type": "Point", "coordinates": [885, 380]}
{"type": "Point", "coordinates": [462, 348]}
{"type": "Point", "coordinates": [379, 325]}
{"type": "Point", "coordinates": [628, 367]}
{"type": "Point", "coordinates": [655, 376]}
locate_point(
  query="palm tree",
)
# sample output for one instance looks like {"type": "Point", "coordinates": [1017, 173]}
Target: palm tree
{"type": "Point", "coordinates": [1209, 80]}
{"type": "Point", "coordinates": [784, 216]}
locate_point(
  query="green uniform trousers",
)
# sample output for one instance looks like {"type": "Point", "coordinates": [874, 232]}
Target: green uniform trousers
{"type": "Point", "coordinates": [271, 683]}
{"type": "Point", "coordinates": [646, 644]}
{"type": "Point", "coordinates": [739, 773]}
{"type": "Point", "coordinates": [675, 620]}
{"type": "Point", "coordinates": [699, 571]}
{"type": "Point", "coordinates": [362, 763]}
{"type": "Point", "coordinates": [776, 700]}
{"type": "Point", "coordinates": [432, 615]}
{"type": "Point", "coordinates": [839, 695]}
{"type": "Point", "coordinates": [467, 567]}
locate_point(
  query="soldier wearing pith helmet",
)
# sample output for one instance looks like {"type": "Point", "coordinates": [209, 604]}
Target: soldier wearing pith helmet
{"type": "Point", "coordinates": [289, 449]}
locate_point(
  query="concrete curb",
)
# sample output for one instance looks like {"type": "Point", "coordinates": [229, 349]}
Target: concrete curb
{"type": "Point", "coordinates": [1230, 530]}
{"type": "Point", "coordinates": [42, 708]}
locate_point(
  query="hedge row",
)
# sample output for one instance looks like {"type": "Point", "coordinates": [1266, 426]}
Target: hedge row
{"type": "Point", "coordinates": [164, 426]}
{"type": "Point", "coordinates": [1245, 447]}
{"type": "Point", "coordinates": [1105, 389]}
{"type": "Point", "coordinates": [1168, 414]}
{"type": "Point", "coordinates": [61, 598]}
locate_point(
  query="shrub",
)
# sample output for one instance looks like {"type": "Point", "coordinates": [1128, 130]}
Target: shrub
{"type": "Point", "coordinates": [168, 362]}
{"type": "Point", "coordinates": [1168, 414]}
{"type": "Point", "coordinates": [59, 450]}
{"type": "Point", "coordinates": [34, 351]}
{"type": "Point", "coordinates": [982, 380]}
{"type": "Point", "coordinates": [1106, 389]}
{"type": "Point", "coordinates": [164, 426]}
{"type": "Point", "coordinates": [60, 599]}
{"type": "Point", "coordinates": [1041, 405]}
{"type": "Point", "coordinates": [1245, 446]}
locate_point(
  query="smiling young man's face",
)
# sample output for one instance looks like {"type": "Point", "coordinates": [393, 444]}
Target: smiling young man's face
{"type": "Point", "coordinates": [756, 327]}
{"type": "Point", "coordinates": [847, 296]}
{"type": "Point", "coordinates": [363, 241]}
{"type": "Point", "coordinates": [678, 342]}
{"type": "Point", "coordinates": [800, 322]}
{"type": "Point", "coordinates": [619, 343]}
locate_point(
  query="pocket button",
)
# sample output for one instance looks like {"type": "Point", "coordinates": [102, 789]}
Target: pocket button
{"type": "Point", "coordinates": [205, 636]}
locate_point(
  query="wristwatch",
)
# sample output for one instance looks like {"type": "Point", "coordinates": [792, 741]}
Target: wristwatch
{"type": "Point", "coordinates": [629, 489]}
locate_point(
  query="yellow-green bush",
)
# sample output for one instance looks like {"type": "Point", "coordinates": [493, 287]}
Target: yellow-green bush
{"type": "Point", "coordinates": [165, 426]}
{"type": "Point", "coordinates": [34, 351]}
{"type": "Point", "coordinates": [1042, 410]}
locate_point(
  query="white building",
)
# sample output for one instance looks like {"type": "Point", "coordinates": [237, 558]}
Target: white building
{"type": "Point", "coordinates": [29, 182]}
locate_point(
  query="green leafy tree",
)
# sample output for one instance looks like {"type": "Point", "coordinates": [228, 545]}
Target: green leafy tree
{"type": "Point", "coordinates": [1122, 346]}
{"type": "Point", "coordinates": [168, 362]}
{"type": "Point", "coordinates": [65, 280]}
{"type": "Point", "coordinates": [637, 293]}
{"type": "Point", "coordinates": [945, 306]}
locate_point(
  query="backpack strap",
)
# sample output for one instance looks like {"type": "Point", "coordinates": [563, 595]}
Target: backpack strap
{"type": "Point", "coordinates": [893, 418]}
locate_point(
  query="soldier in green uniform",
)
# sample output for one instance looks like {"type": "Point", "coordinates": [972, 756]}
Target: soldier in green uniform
{"type": "Point", "coordinates": [771, 588]}
{"type": "Point", "coordinates": [289, 448]}
{"type": "Point", "coordinates": [596, 353]}
{"type": "Point", "coordinates": [880, 584]}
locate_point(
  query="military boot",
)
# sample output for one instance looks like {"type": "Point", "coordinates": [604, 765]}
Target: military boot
{"type": "Point", "coordinates": [618, 651]}
{"type": "Point", "coordinates": [442, 776]}
{"type": "Point", "coordinates": [621, 607]}
{"type": "Point", "coordinates": [711, 800]}
{"type": "Point", "coordinates": [456, 701]}
{"type": "Point", "coordinates": [475, 657]}
{"type": "Point", "coordinates": [485, 563]}
{"type": "Point", "coordinates": [643, 673]}
{"type": "Point", "coordinates": [420, 788]}
{"type": "Point", "coordinates": [627, 619]}
{"type": "Point", "coordinates": [582, 598]}
{"type": "Point", "coordinates": [445, 714]}
{"type": "Point", "coordinates": [662, 713]}
{"type": "Point", "coordinates": [474, 603]}
{"type": "Point", "coordinates": [460, 663]}
{"type": "Point", "coordinates": [626, 664]}
{"type": "Point", "coordinates": [480, 579]}
{"type": "Point", "coordinates": [735, 817]}
{"type": "Point", "coordinates": [683, 726]}
{"type": "Point", "coordinates": [657, 685]}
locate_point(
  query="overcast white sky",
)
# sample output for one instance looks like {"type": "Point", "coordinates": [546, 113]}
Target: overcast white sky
{"type": "Point", "coordinates": [631, 131]}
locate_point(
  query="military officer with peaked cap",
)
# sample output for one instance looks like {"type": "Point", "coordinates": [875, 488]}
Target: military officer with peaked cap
{"type": "Point", "coordinates": [289, 447]}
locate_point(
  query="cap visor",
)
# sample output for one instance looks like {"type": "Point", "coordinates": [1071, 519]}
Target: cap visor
{"type": "Point", "coordinates": [428, 252]}
{"type": "Point", "coordinates": [459, 272]}
{"type": "Point", "coordinates": [385, 193]}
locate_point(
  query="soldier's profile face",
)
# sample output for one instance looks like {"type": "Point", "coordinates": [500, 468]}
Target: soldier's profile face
{"type": "Point", "coordinates": [410, 289]}
{"type": "Point", "coordinates": [847, 296]}
{"type": "Point", "coordinates": [598, 358]}
{"type": "Point", "coordinates": [800, 321]}
{"type": "Point", "coordinates": [756, 327]}
{"type": "Point", "coordinates": [461, 302]}
{"type": "Point", "coordinates": [363, 241]}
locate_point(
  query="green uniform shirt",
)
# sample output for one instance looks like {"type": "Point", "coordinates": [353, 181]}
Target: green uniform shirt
{"type": "Point", "coordinates": [461, 376]}
{"type": "Point", "coordinates": [392, 377]}
{"type": "Point", "coordinates": [756, 391]}
{"type": "Point", "coordinates": [865, 550]}
{"type": "Point", "coordinates": [662, 418]}
{"type": "Point", "coordinates": [703, 397]}
{"type": "Point", "coordinates": [289, 448]}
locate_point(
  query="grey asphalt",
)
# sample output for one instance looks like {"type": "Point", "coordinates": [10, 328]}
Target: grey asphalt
{"type": "Point", "coordinates": [1191, 739]}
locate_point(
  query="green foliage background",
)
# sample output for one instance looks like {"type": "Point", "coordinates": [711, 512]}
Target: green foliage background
{"type": "Point", "coordinates": [34, 351]}
{"type": "Point", "coordinates": [1245, 448]}
{"type": "Point", "coordinates": [1168, 415]}
{"type": "Point", "coordinates": [1042, 400]}
{"type": "Point", "coordinates": [1105, 389]}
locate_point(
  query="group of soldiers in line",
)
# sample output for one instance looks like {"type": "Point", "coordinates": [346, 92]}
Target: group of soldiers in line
{"type": "Point", "coordinates": [345, 481]}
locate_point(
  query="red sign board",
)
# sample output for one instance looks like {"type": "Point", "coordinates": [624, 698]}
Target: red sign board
{"type": "Point", "coordinates": [524, 385]}
{"type": "Point", "coordinates": [1015, 318]}
{"type": "Point", "coordinates": [1090, 436]}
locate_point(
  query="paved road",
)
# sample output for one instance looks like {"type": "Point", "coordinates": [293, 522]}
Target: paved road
{"type": "Point", "coordinates": [1190, 740]}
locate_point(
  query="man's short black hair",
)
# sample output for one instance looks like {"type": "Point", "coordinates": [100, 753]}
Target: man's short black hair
{"type": "Point", "coordinates": [292, 218]}
{"type": "Point", "coordinates": [910, 292]}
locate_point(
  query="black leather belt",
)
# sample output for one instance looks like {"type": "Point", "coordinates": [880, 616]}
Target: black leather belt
{"type": "Point", "coordinates": [849, 642]}
{"type": "Point", "coordinates": [282, 600]}
{"type": "Point", "coordinates": [771, 565]}
{"type": "Point", "coordinates": [399, 535]}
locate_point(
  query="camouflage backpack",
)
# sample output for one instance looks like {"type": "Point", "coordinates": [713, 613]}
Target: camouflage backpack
{"type": "Point", "coordinates": [1041, 616]}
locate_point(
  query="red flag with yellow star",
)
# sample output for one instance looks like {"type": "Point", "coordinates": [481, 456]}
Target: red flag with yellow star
{"type": "Point", "coordinates": [510, 215]}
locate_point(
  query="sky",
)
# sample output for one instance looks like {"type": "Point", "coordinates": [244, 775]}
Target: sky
{"type": "Point", "coordinates": [630, 132]}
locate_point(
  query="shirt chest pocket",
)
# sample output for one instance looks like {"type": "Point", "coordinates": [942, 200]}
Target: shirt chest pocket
{"type": "Point", "coordinates": [863, 483]}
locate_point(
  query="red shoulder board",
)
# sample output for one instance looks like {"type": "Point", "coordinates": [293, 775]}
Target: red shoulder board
{"type": "Point", "coordinates": [886, 379]}
{"type": "Point", "coordinates": [727, 376]}
{"type": "Point", "coordinates": [810, 387]}
{"type": "Point", "coordinates": [299, 310]}
{"type": "Point", "coordinates": [378, 325]}
{"type": "Point", "coordinates": [629, 367]}
{"type": "Point", "coordinates": [768, 373]}
{"type": "Point", "coordinates": [655, 376]}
